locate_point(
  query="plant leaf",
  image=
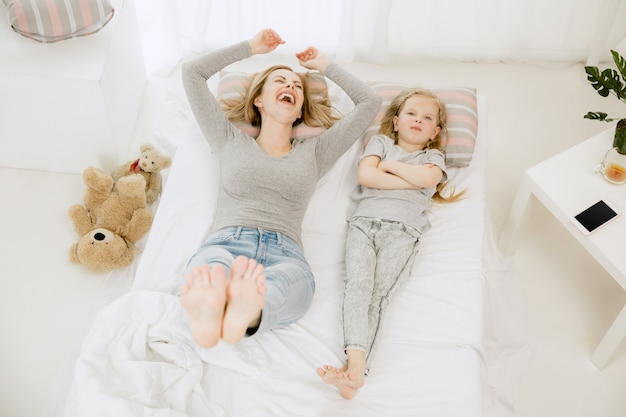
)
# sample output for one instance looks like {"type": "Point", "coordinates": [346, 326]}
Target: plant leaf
{"type": "Point", "coordinates": [600, 116]}
{"type": "Point", "coordinates": [597, 82]}
{"type": "Point", "coordinates": [620, 63]}
{"type": "Point", "coordinates": [604, 82]}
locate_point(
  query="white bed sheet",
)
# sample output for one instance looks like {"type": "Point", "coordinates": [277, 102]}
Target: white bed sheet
{"type": "Point", "coordinates": [435, 350]}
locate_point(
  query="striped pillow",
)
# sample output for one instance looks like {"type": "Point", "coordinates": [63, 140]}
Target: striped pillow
{"type": "Point", "coordinates": [57, 20]}
{"type": "Point", "coordinates": [462, 123]}
{"type": "Point", "coordinates": [233, 85]}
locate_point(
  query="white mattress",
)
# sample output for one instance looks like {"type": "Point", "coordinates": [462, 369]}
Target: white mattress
{"type": "Point", "coordinates": [433, 357]}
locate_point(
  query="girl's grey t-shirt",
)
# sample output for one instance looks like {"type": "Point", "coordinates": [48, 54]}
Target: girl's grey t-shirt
{"type": "Point", "coordinates": [407, 206]}
{"type": "Point", "coordinates": [258, 190]}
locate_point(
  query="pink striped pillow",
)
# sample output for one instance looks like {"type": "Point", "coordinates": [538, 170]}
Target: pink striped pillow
{"type": "Point", "coordinates": [235, 84]}
{"type": "Point", "coordinates": [462, 120]}
{"type": "Point", "coordinates": [57, 20]}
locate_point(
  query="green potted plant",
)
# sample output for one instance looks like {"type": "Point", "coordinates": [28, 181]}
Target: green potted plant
{"type": "Point", "coordinates": [610, 81]}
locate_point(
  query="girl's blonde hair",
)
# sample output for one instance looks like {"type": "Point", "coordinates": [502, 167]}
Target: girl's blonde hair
{"type": "Point", "coordinates": [387, 129]}
{"type": "Point", "coordinates": [316, 109]}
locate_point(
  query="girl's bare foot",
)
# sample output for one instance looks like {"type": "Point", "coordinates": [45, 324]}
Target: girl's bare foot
{"type": "Point", "coordinates": [245, 295]}
{"type": "Point", "coordinates": [204, 298]}
{"type": "Point", "coordinates": [346, 380]}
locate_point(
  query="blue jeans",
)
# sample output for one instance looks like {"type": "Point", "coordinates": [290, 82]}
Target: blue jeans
{"type": "Point", "coordinates": [289, 280]}
{"type": "Point", "coordinates": [379, 257]}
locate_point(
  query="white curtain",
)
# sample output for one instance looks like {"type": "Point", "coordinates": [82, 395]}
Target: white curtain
{"type": "Point", "coordinates": [535, 31]}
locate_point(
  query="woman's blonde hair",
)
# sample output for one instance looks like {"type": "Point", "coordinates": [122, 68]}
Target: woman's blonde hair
{"type": "Point", "coordinates": [387, 129]}
{"type": "Point", "coordinates": [316, 108]}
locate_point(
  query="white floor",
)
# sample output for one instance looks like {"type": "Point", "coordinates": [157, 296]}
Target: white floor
{"type": "Point", "coordinates": [46, 303]}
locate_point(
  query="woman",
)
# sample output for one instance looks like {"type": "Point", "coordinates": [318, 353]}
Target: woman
{"type": "Point", "coordinates": [251, 275]}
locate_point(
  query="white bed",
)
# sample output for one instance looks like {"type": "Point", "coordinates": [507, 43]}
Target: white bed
{"type": "Point", "coordinates": [445, 349]}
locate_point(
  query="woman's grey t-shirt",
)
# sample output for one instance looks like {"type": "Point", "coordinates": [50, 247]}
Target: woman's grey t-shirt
{"type": "Point", "coordinates": [258, 190]}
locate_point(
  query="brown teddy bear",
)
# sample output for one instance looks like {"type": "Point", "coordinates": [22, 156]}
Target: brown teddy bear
{"type": "Point", "coordinates": [110, 222]}
{"type": "Point", "coordinates": [149, 165]}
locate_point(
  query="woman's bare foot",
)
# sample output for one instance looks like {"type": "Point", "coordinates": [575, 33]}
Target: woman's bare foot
{"type": "Point", "coordinates": [245, 295]}
{"type": "Point", "coordinates": [204, 299]}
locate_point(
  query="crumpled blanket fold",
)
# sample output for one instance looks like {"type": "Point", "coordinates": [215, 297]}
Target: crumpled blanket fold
{"type": "Point", "coordinates": [138, 360]}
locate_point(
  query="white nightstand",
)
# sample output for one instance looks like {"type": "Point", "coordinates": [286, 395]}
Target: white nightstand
{"type": "Point", "coordinates": [566, 184]}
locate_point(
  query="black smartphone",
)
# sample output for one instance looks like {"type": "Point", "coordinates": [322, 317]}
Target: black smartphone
{"type": "Point", "coordinates": [595, 216]}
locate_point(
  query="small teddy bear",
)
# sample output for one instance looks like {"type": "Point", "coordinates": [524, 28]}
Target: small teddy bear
{"type": "Point", "coordinates": [149, 165]}
{"type": "Point", "coordinates": [110, 221]}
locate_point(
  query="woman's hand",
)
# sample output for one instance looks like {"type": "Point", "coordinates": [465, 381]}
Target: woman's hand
{"type": "Point", "coordinates": [313, 59]}
{"type": "Point", "coordinates": [265, 41]}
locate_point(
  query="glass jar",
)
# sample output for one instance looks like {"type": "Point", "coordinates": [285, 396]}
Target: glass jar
{"type": "Point", "coordinates": [613, 166]}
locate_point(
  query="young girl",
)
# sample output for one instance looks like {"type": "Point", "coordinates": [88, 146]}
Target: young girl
{"type": "Point", "coordinates": [401, 170]}
{"type": "Point", "coordinates": [251, 275]}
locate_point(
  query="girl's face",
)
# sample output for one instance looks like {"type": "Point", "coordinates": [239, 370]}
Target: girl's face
{"type": "Point", "coordinates": [417, 122]}
{"type": "Point", "coordinates": [282, 96]}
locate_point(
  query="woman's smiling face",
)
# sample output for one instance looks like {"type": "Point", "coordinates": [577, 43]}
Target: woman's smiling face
{"type": "Point", "coordinates": [282, 96]}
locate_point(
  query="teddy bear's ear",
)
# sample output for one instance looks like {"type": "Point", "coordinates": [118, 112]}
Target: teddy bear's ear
{"type": "Point", "coordinates": [126, 258]}
{"type": "Point", "coordinates": [166, 162]}
{"type": "Point", "coordinates": [74, 254]}
{"type": "Point", "coordinates": [146, 147]}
